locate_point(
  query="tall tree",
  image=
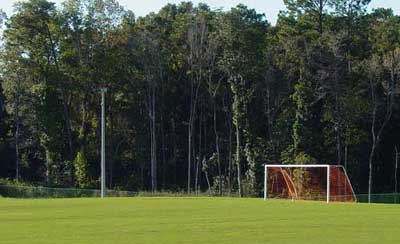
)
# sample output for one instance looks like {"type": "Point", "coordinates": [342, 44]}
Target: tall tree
{"type": "Point", "coordinates": [315, 8]}
{"type": "Point", "coordinates": [386, 59]}
{"type": "Point", "coordinates": [240, 29]}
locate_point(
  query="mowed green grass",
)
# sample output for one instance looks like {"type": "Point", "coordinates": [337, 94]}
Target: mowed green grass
{"type": "Point", "coordinates": [195, 220]}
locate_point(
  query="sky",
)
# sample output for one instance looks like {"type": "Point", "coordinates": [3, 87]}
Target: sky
{"type": "Point", "coordinates": [271, 8]}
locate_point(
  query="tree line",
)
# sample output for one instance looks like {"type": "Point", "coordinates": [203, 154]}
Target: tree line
{"type": "Point", "coordinates": [198, 98]}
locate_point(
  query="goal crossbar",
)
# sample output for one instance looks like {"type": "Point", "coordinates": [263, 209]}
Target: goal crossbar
{"type": "Point", "coordinates": [299, 165]}
{"type": "Point", "coordinates": [328, 174]}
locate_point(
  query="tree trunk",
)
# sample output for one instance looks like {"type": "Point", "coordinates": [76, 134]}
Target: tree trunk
{"type": "Point", "coordinates": [174, 150]}
{"type": "Point", "coordinates": [199, 157]}
{"type": "Point", "coordinates": [269, 113]}
{"type": "Point", "coordinates": [153, 140]}
{"type": "Point", "coordinates": [84, 124]}
{"type": "Point", "coordinates": [17, 134]}
{"type": "Point", "coordinates": [371, 157]}
{"type": "Point", "coordinates": [337, 113]}
{"type": "Point", "coordinates": [270, 124]}
{"type": "Point", "coordinates": [193, 104]}
{"type": "Point", "coordinates": [110, 143]}
{"type": "Point", "coordinates": [196, 42]}
{"type": "Point", "coordinates": [396, 169]}
{"type": "Point", "coordinates": [163, 156]}
{"type": "Point", "coordinates": [376, 136]}
{"type": "Point", "coordinates": [208, 183]}
{"type": "Point", "coordinates": [239, 180]}
{"type": "Point", "coordinates": [338, 126]}
{"type": "Point", "coordinates": [190, 125]}
{"type": "Point", "coordinates": [196, 181]}
{"type": "Point", "coordinates": [230, 159]}
{"type": "Point", "coordinates": [64, 102]}
{"type": "Point", "coordinates": [204, 145]}
{"type": "Point", "coordinates": [163, 149]}
{"type": "Point", "coordinates": [189, 157]}
{"type": "Point", "coordinates": [217, 148]}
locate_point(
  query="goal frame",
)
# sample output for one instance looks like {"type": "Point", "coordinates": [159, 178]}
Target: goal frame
{"type": "Point", "coordinates": [327, 166]}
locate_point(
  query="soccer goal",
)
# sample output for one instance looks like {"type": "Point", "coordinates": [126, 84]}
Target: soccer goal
{"type": "Point", "coordinates": [308, 182]}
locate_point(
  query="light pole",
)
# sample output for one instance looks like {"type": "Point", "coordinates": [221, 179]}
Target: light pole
{"type": "Point", "coordinates": [103, 143]}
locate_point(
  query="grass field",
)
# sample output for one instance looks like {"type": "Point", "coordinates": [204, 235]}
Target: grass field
{"type": "Point", "coordinates": [195, 220]}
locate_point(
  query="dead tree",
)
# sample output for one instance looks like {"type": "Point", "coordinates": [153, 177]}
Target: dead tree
{"type": "Point", "coordinates": [197, 43]}
{"type": "Point", "coordinates": [376, 128]}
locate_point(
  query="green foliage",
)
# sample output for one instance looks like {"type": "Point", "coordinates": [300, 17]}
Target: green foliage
{"type": "Point", "coordinates": [302, 181]}
{"type": "Point", "coordinates": [303, 131]}
{"type": "Point", "coordinates": [303, 158]}
{"type": "Point", "coordinates": [297, 92]}
{"type": "Point", "coordinates": [303, 99]}
{"type": "Point", "coordinates": [81, 170]}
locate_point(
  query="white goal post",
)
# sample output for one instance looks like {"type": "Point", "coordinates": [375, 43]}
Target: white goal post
{"type": "Point", "coordinates": [337, 169]}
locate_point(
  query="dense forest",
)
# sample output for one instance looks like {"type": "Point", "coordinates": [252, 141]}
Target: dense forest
{"type": "Point", "coordinates": [198, 98]}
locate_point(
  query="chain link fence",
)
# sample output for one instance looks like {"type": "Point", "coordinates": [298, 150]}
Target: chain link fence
{"type": "Point", "coordinates": [46, 192]}
{"type": "Point", "coordinates": [388, 198]}
{"type": "Point", "coordinates": [15, 191]}
{"type": "Point", "coordinates": [12, 191]}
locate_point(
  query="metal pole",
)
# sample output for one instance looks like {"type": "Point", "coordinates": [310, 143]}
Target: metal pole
{"type": "Point", "coordinates": [328, 184]}
{"type": "Point", "coordinates": [103, 144]}
{"type": "Point", "coordinates": [265, 182]}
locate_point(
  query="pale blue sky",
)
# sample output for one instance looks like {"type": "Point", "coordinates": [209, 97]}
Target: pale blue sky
{"type": "Point", "coordinates": [269, 7]}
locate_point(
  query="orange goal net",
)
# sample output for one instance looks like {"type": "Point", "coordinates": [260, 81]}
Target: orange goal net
{"type": "Point", "coordinates": [308, 182]}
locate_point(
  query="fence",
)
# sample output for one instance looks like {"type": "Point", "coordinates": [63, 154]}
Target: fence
{"type": "Point", "coordinates": [389, 198]}
{"type": "Point", "coordinates": [46, 192]}
{"type": "Point", "coordinates": [13, 191]}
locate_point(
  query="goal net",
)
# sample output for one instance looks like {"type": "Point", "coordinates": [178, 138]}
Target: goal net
{"type": "Point", "coordinates": [308, 182]}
